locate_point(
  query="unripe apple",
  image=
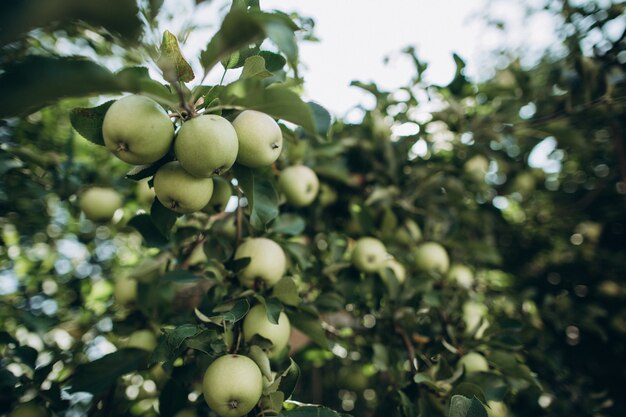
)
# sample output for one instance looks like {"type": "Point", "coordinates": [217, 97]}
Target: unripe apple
{"type": "Point", "coordinates": [473, 362]}
{"type": "Point", "coordinates": [180, 191]}
{"type": "Point", "coordinates": [125, 290]}
{"type": "Point", "coordinates": [28, 410]}
{"type": "Point", "coordinates": [232, 385]}
{"type": "Point", "coordinates": [497, 409]}
{"type": "Point", "coordinates": [328, 195]}
{"type": "Point", "coordinates": [473, 314]}
{"type": "Point", "coordinates": [206, 145]}
{"type": "Point", "coordinates": [222, 191]}
{"type": "Point", "coordinates": [462, 275]}
{"type": "Point", "coordinates": [256, 322]}
{"type": "Point", "coordinates": [369, 254]}
{"type": "Point", "coordinates": [268, 262]}
{"type": "Point", "coordinates": [145, 194]}
{"type": "Point", "coordinates": [260, 139]}
{"type": "Point", "coordinates": [187, 412]}
{"type": "Point", "coordinates": [398, 269]}
{"type": "Point", "coordinates": [99, 203]}
{"type": "Point", "coordinates": [476, 167]}
{"type": "Point", "coordinates": [142, 339]}
{"type": "Point", "coordinates": [432, 257]}
{"type": "Point", "coordinates": [299, 184]}
{"type": "Point", "coordinates": [137, 130]}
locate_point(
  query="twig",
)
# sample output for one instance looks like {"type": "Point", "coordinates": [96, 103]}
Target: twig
{"type": "Point", "coordinates": [239, 216]}
{"type": "Point", "coordinates": [410, 350]}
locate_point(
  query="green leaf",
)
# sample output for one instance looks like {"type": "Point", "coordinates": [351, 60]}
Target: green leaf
{"type": "Point", "coordinates": [239, 29]}
{"type": "Point", "coordinates": [273, 308]}
{"type": "Point", "coordinates": [310, 325]}
{"type": "Point", "coordinates": [171, 61]}
{"type": "Point", "coordinates": [180, 276]}
{"type": "Point", "coordinates": [461, 406]}
{"type": "Point", "coordinates": [289, 379]}
{"type": "Point", "coordinates": [173, 398]}
{"type": "Point", "coordinates": [321, 117]}
{"type": "Point", "coordinates": [88, 121]}
{"type": "Point", "coordinates": [286, 291]}
{"type": "Point", "coordinates": [289, 224]}
{"type": "Point", "coordinates": [254, 67]}
{"type": "Point", "coordinates": [107, 369]}
{"type": "Point", "coordinates": [467, 389]}
{"type": "Point", "coordinates": [310, 411]}
{"type": "Point", "coordinates": [273, 62]}
{"type": "Point", "coordinates": [163, 218]}
{"type": "Point", "coordinates": [151, 234]}
{"type": "Point", "coordinates": [260, 193]}
{"type": "Point", "coordinates": [280, 29]}
{"type": "Point", "coordinates": [231, 311]}
{"type": "Point", "coordinates": [259, 356]}
{"type": "Point", "coordinates": [276, 100]}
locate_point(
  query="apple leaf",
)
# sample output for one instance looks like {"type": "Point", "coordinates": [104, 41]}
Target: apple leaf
{"type": "Point", "coordinates": [310, 325]}
{"type": "Point", "coordinates": [88, 121]}
{"type": "Point", "coordinates": [289, 378]}
{"type": "Point", "coordinates": [279, 28]}
{"type": "Point", "coordinates": [173, 398]}
{"type": "Point", "coordinates": [467, 389]}
{"type": "Point", "coordinates": [260, 193]}
{"type": "Point", "coordinates": [254, 67]}
{"type": "Point", "coordinates": [259, 356]}
{"type": "Point", "coordinates": [163, 218]}
{"type": "Point", "coordinates": [108, 368]}
{"type": "Point", "coordinates": [180, 276]}
{"type": "Point", "coordinates": [273, 308]}
{"type": "Point", "coordinates": [151, 234]}
{"type": "Point", "coordinates": [289, 224]}
{"type": "Point", "coordinates": [273, 61]}
{"type": "Point", "coordinates": [171, 61]}
{"type": "Point", "coordinates": [461, 406]}
{"type": "Point", "coordinates": [286, 291]}
{"type": "Point", "coordinates": [321, 117]}
{"type": "Point", "coordinates": [311, 411]}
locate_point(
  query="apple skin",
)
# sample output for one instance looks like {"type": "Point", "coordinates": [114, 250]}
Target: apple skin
{"type": "Point", "coordinates": [299, 184]}
{"type": "Point", "coordinates": [125, 290]}
{"type": "Point", "coordinates": [473, 362]}
{"type": "Point", "coordinates": [99, 203]}
{"type": "Point", "coordinates": [232, 385]}
{"type": "Point", "coordinates": [28, 410]}
{"type": "Point", "coordinates": [432, 257]}
{"type": "Point", "coordinates": [473, 313]}
{"type": "Point", "coordinates": [137, 130]}
{"type": "Point", "coordinates": [145, 194]}
{"type": "Point", "coordinates": [180, 191]}
{"type": "Point", "coordinates": [142, 339]}
{"type": "Point", "coordinates": [256, 322]}
{"type": "Point", "coordinates": [222, 191]}
{"type": "Point", "coordinates": [260, 139]}
{"type": "Point", "coordinates": [369, 254]}
{"type": "Point", "coordinates": [268, 262]}
{"type": "Point", "coordinates": [397, 268]}
{"type": "Point", "coordinates": [462, 275]}
{"type": "Point", "coordinates": [497, 409]}
{"type": "Point", "coordinates": [206, 145]}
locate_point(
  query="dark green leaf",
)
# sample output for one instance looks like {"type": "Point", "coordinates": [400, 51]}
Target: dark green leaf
{"type": "Point", "coordinates": [469, 390]}
{"type": "Point", "coordinates": [289, 379]}
{"type": "Point", "coordinates": [171, 61]}
{"type": "Point", "coordinates": [273, 62]}
{"type": "Point", "coordinates": [280, 29]}
{"type": "Point", "coordinates": [273, 308]}
{"type": "Point", "coordinates": [310, 411]}
{"type": "Point", "coordinates": [107, 369]}
{"type": "Point", "coordinates": [289, 224]}
{"type": "Point", "coordinates": [88, 121]}
{"type": "Point", "coordinates": [310, 325]}
{"type": "Point", "coordinates": [173, 398]}
{"type": "Point", "coordinates": [299, 252]}
{"type": "Point", "coordinates": [286, 291]}
{"type": "Point", "coordinates": [260, 193]}
{"type": "Point", "coordinates": [27, 355]}
{"type": "Point", "coordinates": [179, 276]}
{"type": "Point", "coordinates": [145, 226]}
{"type": "Point", "coordinates": [322, 118]}
{"type": "Point", "coordinates": [461, 406]}
{"type": "Point", "coordinates": [162, 218]}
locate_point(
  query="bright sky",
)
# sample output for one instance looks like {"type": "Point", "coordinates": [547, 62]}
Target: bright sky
{"type": "Point", "coordinates": [356, 36]}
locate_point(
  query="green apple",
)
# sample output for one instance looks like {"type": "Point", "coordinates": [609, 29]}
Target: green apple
{"type": "Point", "coordinates": [187, 412]}
{"type": "Point", "coordinates": [206, 145]}
{"type": "Point", "coordinates": [125, 290]}
{"type": "Point", "coordinates": [137, 130]}
{"type": "Point", "coordinates": [268, 262]}
{"type": "Point", "coordinates": [473, 362]}
{"type": "Point", "coordinates": [462, 275]}
{"type": "Point", "coordinates": [99, 203]}
{"type": "Point", "coordinates": [222, 191]}
{"type": "Point", "coordinates": [28, 410]}
{"type": "Point", "coordinates": [260, 139]}
{"type": "Point", "coordinates": [328, 195]}
{"type": "Point", "coordinates": [432, 257]}
{"type": "Point", "coordinates": [473, 314]}
{"type": "Point", "coordinates": [369, 254]}
{"type": "Point", "coordinates": [256, 322]}
{"type": "Point", "coordinates": [232, 385]}
{"type": "Point", "coordinates": [180, 191]}
{"type": "Point", "coordinates": [145, 194]}
{"type": "Point", "coordinates": [142, 339]}
{"type": "Point", "coordinates": [497, 409]}
{"type": "Point", "coordinates": [476, 167]}
{"type": "Point", "coordinates": [398, 269]}
{"type": "Point", "coordinates": [299, 184]}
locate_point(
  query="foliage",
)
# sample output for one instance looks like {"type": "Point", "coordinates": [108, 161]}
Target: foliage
{"type": "Point", "coordinates": [521, 178]}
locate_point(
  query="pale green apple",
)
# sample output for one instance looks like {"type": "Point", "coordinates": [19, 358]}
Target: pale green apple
{"type": "Point", "coordinates": [268, 262]}
{"type": "Point", "coordinates": [180, 191]}
{"type": "Point", "coordinates": [28, 410]}
{"type": "Point", "coordinates": [398, 269]}
{"type": "Point", "coordinates": [142, 339]}
{"type": "Point", "coordinates": [256, 322]}
{"type": "Point", "coordinates": [222, 191]}
{"type": "Point", "coordinates": [99, 203]}
{"type": "Point", "coordinates": [125, 290]}
{"type": "Point", "coordinates": [328, 195]}
{"type": "Point", "coordinates": [145, 194]}
{"type": "Point", "coordinates": [137, 130]}
{"type": "Point", "coordinates": [206, 145]}
{"type": "Point", "coordinates": [299, 184]}
{"type": "Point", "coordinates": [462, 275]}
{"type": "Point", "coordinates": [369, 254]}
{"type": "Point", "coordinates": [432, 257]}
{"type": "Point", "coordinates": [497, 409]}
{"type": "Point", "coordinates": [473, 362]}
{"type": "Point", "coordinates": [474, 313]}
{"type": "Point", "coordinates": [260, 139]}
{"type": "Point", "coordinates": [232, 385]}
